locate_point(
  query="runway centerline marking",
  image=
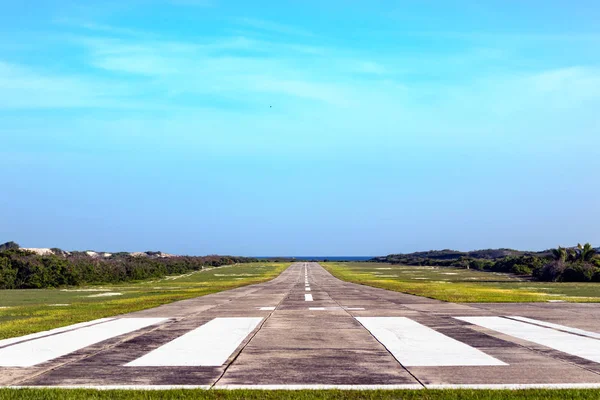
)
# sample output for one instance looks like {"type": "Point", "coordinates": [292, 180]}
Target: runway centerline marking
{"type": "Point", "coordinates": [266, 308]}
{"type": "Point", "coordinates": [416, 345]}
{"type": "Point", "coordinates": [569, 343]}
{"type": "Point", "coordinates": [37, 351]}
{"type": "Point", "coordinates": [210, 345]}
{"type": "Point", "coordinates": [308, 297]}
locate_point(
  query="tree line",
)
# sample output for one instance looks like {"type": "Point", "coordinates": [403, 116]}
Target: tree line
{"type": "Point", "coordinates": [577, 264]}
{"type": "Point", "coordinates": [26, 270]}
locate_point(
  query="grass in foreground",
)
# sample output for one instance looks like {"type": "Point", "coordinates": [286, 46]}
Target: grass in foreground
{"type": "Point", "coordinates": [461, 285]}
{"type": "Point", "coordinates": [33, 310]}
{"type": "Point", "coordinates": [51, 394]}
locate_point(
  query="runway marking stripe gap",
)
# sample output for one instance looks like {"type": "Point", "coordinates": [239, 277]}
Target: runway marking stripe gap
{"type": "Point", "coordinates": [34, 352]}
{"type": "Point", "coordinates": [579, 346]}
{"type": "Point", "coordinates": [210, 345]}
{"type": "Point", "coordinates": [559, 327]}
{"type": "Point", "coordinates": [308, 297]}
{"type": "Point", "coordinates": [416, 345]}
{"type": "Point", "coordinates": [7, 342]}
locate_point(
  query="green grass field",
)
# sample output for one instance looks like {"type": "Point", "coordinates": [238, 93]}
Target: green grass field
{"type": "Point", "coordinates": [28, 311]}
{"type": "Point", "coordinates": [53, 394]}
{"type": "Point", "coordinates": [461, 285]}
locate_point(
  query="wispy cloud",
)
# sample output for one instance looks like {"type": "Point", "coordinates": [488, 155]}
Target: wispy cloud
{"type": "Point", "coordinates": [269, 26]}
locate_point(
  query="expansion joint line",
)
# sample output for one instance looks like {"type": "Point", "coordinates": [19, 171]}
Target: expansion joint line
{"type": "Point", "coordinates": [264, 321]}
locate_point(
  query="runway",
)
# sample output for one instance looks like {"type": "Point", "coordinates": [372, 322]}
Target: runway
{"type": "Point", "coordinates": [307, 329]}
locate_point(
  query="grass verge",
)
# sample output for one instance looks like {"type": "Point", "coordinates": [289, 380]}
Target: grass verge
{"type": "Point", "coordinates": [68, 394]}
{"type": "Point", "coordinates": [28, 311]}
{"type": "Point", "coordinates": [461, 285]}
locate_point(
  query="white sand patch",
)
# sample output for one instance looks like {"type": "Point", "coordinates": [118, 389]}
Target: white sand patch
{"type": "Point", "coordinates": [422, 278]}
{"type": "Point", "coordinates": [109, 294]}
{"type": "Point", "coordinates": [58, 305]}
{"type": "Point", "coordinates": [84, 290]}
{"type": "Point", "coordinates": [449, 273]}
{"type": "Point", "coordinates": [3, 307]}
{"type": "Point", "coordinates": [39, 252]}
{"type": "Point", "coordinates": [388, 276]}
{"type": "Point", "coordinates": [173, 277]}
{"type": "Point", "coordinates": [382, 268]}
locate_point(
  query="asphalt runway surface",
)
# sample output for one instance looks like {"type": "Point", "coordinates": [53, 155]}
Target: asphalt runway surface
{"type": "Point", "coordinates": [307, 329]}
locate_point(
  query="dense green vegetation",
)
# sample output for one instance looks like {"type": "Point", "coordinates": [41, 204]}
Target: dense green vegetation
{"type": "Point", "coordinates": [462, 285]}
{"type": "Point", "coordinates": [578, 264]}
{"type": "Point", "coordinates": [21, 269]}
{"type": "Point", "coordinates": [33, 310]}
{"type": "Point", "coordinates": [72, 394]}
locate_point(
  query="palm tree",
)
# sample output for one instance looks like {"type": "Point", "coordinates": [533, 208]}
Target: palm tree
{"type": "Point", "coordinates": [559, 254]}
{"type": "Point", "coordinates": [586, 252]}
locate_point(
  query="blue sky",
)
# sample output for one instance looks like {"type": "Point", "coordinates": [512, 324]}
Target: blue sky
{"type": "Point", "coordinates": [299, 128]}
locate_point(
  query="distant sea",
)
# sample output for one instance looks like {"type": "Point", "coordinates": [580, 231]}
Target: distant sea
{"type": "Point", "coordinates": [321, 258]}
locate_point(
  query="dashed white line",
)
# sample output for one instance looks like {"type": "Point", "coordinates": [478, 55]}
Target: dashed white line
{"type": "Point", "coordinates": [266, 308]}
{"type": "Point", "coordinates": [307, 289]}
{"type": "Point", "coordinates": [308, 297]}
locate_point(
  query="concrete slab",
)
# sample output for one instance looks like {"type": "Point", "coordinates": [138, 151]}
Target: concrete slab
{"type": "Point", "coordinates": [296, 347]}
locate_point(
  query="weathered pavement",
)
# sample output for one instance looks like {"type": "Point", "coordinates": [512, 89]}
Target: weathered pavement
{"type": "Point", "coordinates": [309, 329]}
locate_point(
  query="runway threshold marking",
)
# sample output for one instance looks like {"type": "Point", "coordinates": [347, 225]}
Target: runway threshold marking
{"type": "Point", "coordinates": [308, 297]}
{"type": "Point", "coordinates": [37, 351]}
{"type": "Point", "coordinates": [207, 346]}
{"type": "Point", "coordinates": [7, 342]}
{"type": "Point", "coordinates": [416, 345]}
{"type": "Point", "coordinates": [557, 326]}
{"type": "Point", "coordinates": [584, 347]}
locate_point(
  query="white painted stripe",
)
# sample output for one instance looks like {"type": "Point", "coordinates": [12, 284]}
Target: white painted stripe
{"type": "Point", "coordinates": [579, 346]}
{"type": "Point", "coordinates": [115, 387]}
{"type": "Point", "coordinates": [557, 326]}
{"type": "Point", "coordinates": [416, 345]}
{"type": "Point", "coordinates": [316, 308]}
{"type": "Point", "coordinates": [501, 386]}
{"type": "Point", "coordinates": [267, 308]}
{"type": "Point", "coordinates": [517, 386]}
{"type": "Point", "coordinates": [6, 342]}
{"type": "Point", "coordinates": [307, 289]}
{"type": "Point", "coordinates": [207, 346]}
{"type": "Point", "coordinates": [320, 387]}
{"type": "Point", "coordinates": [40, 350]}
{"type": "Point", "coordinates": [308, 297]}
{"type": "Point", "coordinates": [354, 308]}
